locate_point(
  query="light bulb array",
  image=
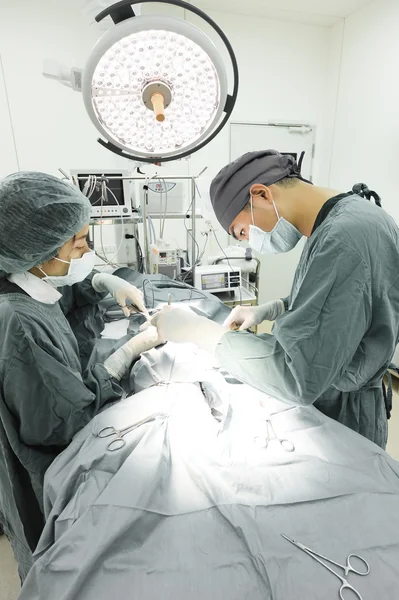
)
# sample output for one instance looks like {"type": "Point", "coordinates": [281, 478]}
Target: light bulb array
{"type": "Point", "coordinates": [155, 55]}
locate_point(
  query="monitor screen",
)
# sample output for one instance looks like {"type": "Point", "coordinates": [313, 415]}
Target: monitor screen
{"type": "Point", "coordinates": [115, 185]}
{"type": "Point", "coordinates": [213, 281]}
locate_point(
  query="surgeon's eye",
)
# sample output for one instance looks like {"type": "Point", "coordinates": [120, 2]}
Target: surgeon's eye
{"type": "Point", "coordinates": [242, 233]}
{"type": "Point", "coordinates": [82, 243]}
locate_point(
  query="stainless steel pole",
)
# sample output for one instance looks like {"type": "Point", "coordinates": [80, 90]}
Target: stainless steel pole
{"type": "Point", "coordinates": [171, 216]}
{"type": "Point", "coordinates": [125, 178]}
{"type": "Point", "coordinates": [193, 228]}
{"type": "Point", "coordinates": [145, 232]}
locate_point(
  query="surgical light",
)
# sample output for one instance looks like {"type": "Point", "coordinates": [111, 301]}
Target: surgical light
{"type": "Point", "coordinates": [156, 87]}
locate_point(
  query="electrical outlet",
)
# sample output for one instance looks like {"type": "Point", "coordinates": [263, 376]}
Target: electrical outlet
{"type": "Point", "coordinates": [209, 227]}
{"type": "Point", "coordinates": [109, 249]}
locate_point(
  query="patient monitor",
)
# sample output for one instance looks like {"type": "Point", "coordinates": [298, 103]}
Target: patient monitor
{"type": "Point", "coordinates": [217, 278]}
{"type": "Point", "coordinates": [110, 195]}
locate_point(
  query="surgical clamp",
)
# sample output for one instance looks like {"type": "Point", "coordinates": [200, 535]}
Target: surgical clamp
{"type": "Point", "coordinates": [118, 443]}
{"type": "Point", "coordinates": [348, 568]}
{"type": "Point", "coordinates": [263, 442]}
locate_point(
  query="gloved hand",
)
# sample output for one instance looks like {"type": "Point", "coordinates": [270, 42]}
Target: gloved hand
{"type": "Point", "coordinates": [121, 290]}
{"type": "Point", "coordinates": [118, 363]}
{"type": "Point", "coordinates": [245, 317]}
{"type": "Point", "coordinates": [184, 326]}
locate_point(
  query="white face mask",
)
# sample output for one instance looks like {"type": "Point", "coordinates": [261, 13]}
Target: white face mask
{"type": "Point", "coordinates": [79, 269]}
{"type": "Point", "coordinates": [282, 238]}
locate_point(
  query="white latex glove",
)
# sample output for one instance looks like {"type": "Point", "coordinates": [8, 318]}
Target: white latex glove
{"type": "Point", "coordinates": [184, 326]}
{"type": "Point", "coordinates": [245, 317]}
{"type": "Point", "coordinates": [121, 290]}
{"type": "Point", "coordinates": [118, 363]}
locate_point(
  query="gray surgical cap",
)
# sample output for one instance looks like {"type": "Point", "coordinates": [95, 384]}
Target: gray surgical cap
{"type": "Point", "coordinates": [38, 214]}
{"type": "Point", "coordinates": [230, 189]}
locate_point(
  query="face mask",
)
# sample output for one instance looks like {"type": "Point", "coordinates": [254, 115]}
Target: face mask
{"type": "Point", "coordinates": [79, 269]}
{"type": "Point", "coordinates": [282, 238]}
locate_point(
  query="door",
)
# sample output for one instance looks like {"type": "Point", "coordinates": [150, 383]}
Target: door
{"type": "Point", "coordinates": [277, 271]}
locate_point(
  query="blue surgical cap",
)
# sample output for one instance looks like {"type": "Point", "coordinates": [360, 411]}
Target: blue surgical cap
{"type": "Point", "coordinates": [38, 214]}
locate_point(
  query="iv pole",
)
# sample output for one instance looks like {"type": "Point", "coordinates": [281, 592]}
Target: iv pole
{"type": "Point", "coordinates": [143, 217]}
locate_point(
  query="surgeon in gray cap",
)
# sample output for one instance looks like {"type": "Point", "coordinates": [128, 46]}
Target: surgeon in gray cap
{"type": "Point", "coordinates": [335, 335]}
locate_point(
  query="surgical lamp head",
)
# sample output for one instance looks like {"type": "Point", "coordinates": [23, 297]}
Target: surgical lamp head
{"type": "Point", "coordinates": [155, 86]}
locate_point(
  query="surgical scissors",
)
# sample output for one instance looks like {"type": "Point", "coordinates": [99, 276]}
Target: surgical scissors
{"type": "Point", "coordinates": [348, 568]}
{"type": "Point", "coordinates": [263, 442]}
{"type": "Point", "coordinates": [119, 442]}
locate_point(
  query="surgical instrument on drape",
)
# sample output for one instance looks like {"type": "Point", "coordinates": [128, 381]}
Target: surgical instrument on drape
{"type": "Point", "coordinates": [263, 442]}
{"type": "Point", "coordinates": [119, 442]}
{"type": "Point", "coordinates": [348, 568]}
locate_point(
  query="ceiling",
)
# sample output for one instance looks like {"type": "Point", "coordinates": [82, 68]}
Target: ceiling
{"type": "Point", "coordinates": [91, 8]}
{"type": "Point", "coordinates": [317, 12]}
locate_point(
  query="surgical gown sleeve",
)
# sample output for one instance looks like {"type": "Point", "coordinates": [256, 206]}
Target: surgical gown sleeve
{"type": "Point", "coordinates": [79, 295]}
{"type": "Point", "coordinates": [45, 391]}
{"type": "Point", "coordinates": [315, 340]}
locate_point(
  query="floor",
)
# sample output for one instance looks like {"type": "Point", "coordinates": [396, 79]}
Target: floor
{"type": "Point", "coordinates": [9, 586]}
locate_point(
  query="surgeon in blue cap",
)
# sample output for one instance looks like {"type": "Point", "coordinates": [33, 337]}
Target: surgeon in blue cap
{"type": "Point", "coordinates": [335, 335]}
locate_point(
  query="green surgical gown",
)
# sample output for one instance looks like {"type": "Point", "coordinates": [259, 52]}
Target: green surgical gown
{"type": "Point", "coordinates": [45, 399]}
{"type": "Point", "coordinates": [333, 345]}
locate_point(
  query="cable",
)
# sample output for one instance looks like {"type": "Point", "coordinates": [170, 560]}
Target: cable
{"type": "Point", "coordinates": [145, 186]}
{"type": "Point", "coordinates": [107, 189]}
{"type": "Point", "coordinates": [104, 196]}
{"type": "Point", "coordinates": [153, 236]}
{"type": "Point", "coordinates": [93, 186]}
{"type": "Point", "coordinates": [188, 287]}
{"type": "Point", "coordinates": [101, 227]}
{"type": "Point", "coordinates": [228, 262]}
{"type": "Point", "coordinates": [160, 213]}
{"type": "Point", "coordinates": [224, 253]}
{"type": "Point", "coordinates": [166, 207]}
{"type": "Point", "coordinates": [253, 287]}
{"type": "Point", "coordinates": [139, 253]}
{"type": "Point", "coordinates": [88, 190]}
{"type": "Point", "coordinates": [204, 248]}
{"type": "Point", "coordinates": [168, 285]}
{"type": "Point", "coordinates": [193, 259]}
{"type": "Point", "coordinates": [199, 259]}
{"type": "Point", "coordinates": [145, 282]}
{"type": "Point", "coordinates": [92, 183]}
{"type": "Point", "coordinates": [90, 187]}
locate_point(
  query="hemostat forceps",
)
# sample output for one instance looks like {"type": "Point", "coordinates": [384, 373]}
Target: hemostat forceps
{"type": "Point", "coordinates": [263, 442]}
{"type": "Point", "coordinates": [348, 568]}
{"type": "Point", "coordinates": [119, 442]}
